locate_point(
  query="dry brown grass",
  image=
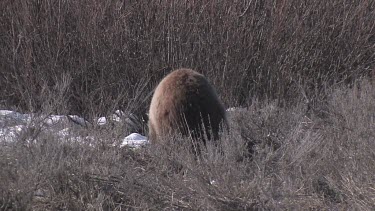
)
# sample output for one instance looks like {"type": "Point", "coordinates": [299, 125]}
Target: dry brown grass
{"type": "Point", "coordinates": [299, 160]}
{"type": "Point", "coordinates": [304, 141]}
{"type": "Point", "coordinates": [113, 53]}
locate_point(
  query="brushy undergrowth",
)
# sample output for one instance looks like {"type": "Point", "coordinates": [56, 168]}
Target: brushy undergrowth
{"type": "Point", "coordinates": [274, 158]}
{"type": "Point", "coordinates": [303, 139]}
{"type": "Point", "coordinates": [97, 56]}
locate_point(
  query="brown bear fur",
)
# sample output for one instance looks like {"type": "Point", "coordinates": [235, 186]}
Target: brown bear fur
{"type": "Point", "coordinates": [184, 102]}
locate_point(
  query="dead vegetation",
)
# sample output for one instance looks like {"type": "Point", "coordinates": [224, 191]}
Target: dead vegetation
{"type": "Point", "coordinates": [302, 136]}
{"type": "Point", "coordinates": [273, 159]}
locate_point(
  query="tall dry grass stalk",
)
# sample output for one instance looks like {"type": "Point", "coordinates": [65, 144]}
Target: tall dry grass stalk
{"type": "Point", "coordinates": [283, 50]}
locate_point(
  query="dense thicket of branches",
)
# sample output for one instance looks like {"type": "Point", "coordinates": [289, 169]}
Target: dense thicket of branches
{"type": "Point", "coordinates": [90, 57]}
{"type": "Point", "coordinates": [100, 54]}
{"type": "Point", "coordinates": [273, 159]}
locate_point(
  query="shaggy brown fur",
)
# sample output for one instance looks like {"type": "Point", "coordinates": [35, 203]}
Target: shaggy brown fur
{"type": "Point", "coordinates": [184, 102]}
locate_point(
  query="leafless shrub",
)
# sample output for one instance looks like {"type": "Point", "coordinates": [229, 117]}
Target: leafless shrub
{"type": "Point", "coordinates": [319, 162]}
{"type": "Point", "coordinates": [115, 52]}
{"type": "Point", "coordinates": [304, 141]}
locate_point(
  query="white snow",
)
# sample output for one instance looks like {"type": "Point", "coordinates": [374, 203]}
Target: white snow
{"type": "Point", "coordinates": [10, 133]}
{"type": "Point", "coordinates": [13, 123]}
{"type": "Point", "coordinates": [54, 119]}
{"type": "Point", "coordinates": [14, 116]}
{"type": "Point", "coordinates": [6, 112]}
{"type": "Point", "coordinates": [101, 121]}
{"type": "Point", "coordinates": [134, 140]}
{"type": "Point", "coordinates": [116, 117]}
{"type": "Point", "coordinates": [231, 109]}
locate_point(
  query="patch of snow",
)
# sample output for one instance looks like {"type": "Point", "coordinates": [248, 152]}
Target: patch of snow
{"type": "Point", "coordinates": [213, 182]}
{"type": "Point", "coordinates": [12, 124]}
{"type": "Point", "coordinates": [233, 109]}
{"type": "Point", "coordinates": [119, 113]}
{"type": "Point", "coordinates": [101, 121]}
{"type": "Point", "coordinates": [6, 112]}
{"type": "Point", "coordinates": [15, 116]}
{"type": "Point", "coordinates": [116, 117]}
{"type": "Point", "coordinates": [9, 134]}
{"type": "Point", "coordinates": [54, 119]}
{"type": "Point", "coordinates": [64, 133]}
{"type": "Point", "coordinates": [135, 140]}
{"type": "Point", "coordinates": [67, 135]}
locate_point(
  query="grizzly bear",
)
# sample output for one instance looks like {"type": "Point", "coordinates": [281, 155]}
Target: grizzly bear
{"type": "Point", "coordinates": [184, 102]}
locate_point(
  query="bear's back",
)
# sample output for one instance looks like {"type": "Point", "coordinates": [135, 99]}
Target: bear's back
{"type": "Point", "coordinates": [182, 101]}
